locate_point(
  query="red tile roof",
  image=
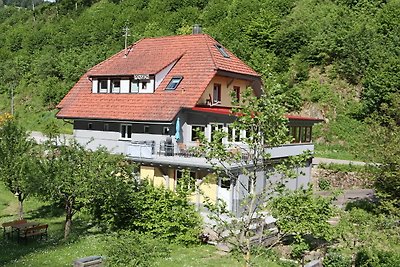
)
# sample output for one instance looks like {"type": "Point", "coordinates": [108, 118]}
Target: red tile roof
{"type": "Point", "coordinates": [198, 62]}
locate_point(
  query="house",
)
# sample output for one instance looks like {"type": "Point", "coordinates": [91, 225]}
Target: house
{"type": "Point", "coordinates": [150, 100]}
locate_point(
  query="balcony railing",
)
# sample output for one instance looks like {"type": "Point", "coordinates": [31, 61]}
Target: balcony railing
{"type": "Point", "coordinates": [150, 149]}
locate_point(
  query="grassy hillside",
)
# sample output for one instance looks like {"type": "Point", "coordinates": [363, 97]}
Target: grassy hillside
{"type": "Point", "coordinates": [338, 59]}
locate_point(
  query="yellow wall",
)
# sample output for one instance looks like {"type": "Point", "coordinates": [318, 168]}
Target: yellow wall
{"type": "Point", "coordinates": [226, 90]}
{"type": "Point", "coordinates": [156, 176]}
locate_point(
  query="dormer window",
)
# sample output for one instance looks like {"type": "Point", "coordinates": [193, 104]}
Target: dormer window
{"type": "Point", "coordinates": [116, 86]}
{"type": "Point", "coordinates": [144, 85]}
{"type": "Point", "coordinates": [103, 86]}
{"type": "Point", "coordinates": [173, 84]}
{"type": "Point", "coordinates": [222, 50]}
{"type": "Point", "coordinates": [134, 86]}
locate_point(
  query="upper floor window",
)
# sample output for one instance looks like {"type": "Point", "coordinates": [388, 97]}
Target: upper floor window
{"type": "Point", "coordinates": [126, 131]}
{"type": "Point", "coordinates": [196, 132]}
{"type": "Point", "coordinates": [217, 93]}
{"type": "Point", "coordinates": [236, 89]}
{"type": "Point", "coordinates": [103, 86]}
{"type": "Point", "coordinates": [222, 50]}
{"type": "Point", "coordinates": [134, 87]}
{"type": "Point", "coordinates": [116, 86]}
{"type": "Point", "coordinates": [174, 82]}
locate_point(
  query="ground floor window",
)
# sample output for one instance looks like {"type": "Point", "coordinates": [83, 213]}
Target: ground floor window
{"type": "Point", "coordinates": [300, 134]}
{"type": "Point", "coordinates": [186, 179]}
{"type": "Point", "coordinates": [126, 131]}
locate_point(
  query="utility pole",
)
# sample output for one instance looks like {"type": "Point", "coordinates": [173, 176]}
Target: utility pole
{"type": "Point", "coordinates": [126, 34]}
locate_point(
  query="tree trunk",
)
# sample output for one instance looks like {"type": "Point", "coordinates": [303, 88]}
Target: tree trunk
{"type": "Point", "coordinates": [68, 216]}
{"type": "Point", "coordinates": [20, 205]}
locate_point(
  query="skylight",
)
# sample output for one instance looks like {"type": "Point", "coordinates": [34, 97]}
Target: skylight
{"type": "Point", "coordinates": [222, 50]}
{"type": "Point", "coordinates": [174, 82]}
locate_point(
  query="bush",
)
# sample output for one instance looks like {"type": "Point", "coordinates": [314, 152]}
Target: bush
{"type": "Point", "coordinates": [134, 249]}
{"type": "Point", "coordinates": [335, 259]}
{"type": "Point", "coordinates": [166, 214]}
{"type": "Point", "coordinates": [324, 184]}
{"type": "Point", "coordinates": [369, 258]}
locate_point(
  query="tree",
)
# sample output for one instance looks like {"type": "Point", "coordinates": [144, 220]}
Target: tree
{"type": "Point", "coordinates": [70, 172]}
{"type": "Point", "coordinates": [262, 118]}
{"type": "Point", "coordinates": [17, 160]}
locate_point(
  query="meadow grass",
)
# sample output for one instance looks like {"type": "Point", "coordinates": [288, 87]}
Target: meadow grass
{"type": "Point", "coordinates": [85, 241]}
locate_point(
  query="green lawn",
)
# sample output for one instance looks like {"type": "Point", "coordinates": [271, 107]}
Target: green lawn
{"type": "Point", "coordinates": [84, 242]}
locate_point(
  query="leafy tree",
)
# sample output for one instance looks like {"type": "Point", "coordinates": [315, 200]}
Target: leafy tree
{"type": "Point", "coordinates": [70, 172]}
{"type": "Point", "coordinates": [263, 120]}
{"type": "Point", "coordinates": [17, 160]}
{"type": "Point", "coordinates": [300, 213]}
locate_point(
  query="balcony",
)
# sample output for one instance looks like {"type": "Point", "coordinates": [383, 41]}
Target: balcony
{"type": "Point", "coordinates": [167, 152]}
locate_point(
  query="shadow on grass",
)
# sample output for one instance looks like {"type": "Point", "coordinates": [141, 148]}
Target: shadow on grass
{"type": "Point", "coordinates": [366, 204]}
{"type": "Point", "coordinates": [11, 251]}
{"type": "Point", "coordinates": [47, 211]}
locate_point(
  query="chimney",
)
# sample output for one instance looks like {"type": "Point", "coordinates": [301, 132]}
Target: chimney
{"type": "Point", "coordinates": [196, 29]}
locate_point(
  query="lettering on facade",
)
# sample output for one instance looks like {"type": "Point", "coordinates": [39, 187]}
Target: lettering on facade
{"type": "Point", "coordinates": [141, 76]}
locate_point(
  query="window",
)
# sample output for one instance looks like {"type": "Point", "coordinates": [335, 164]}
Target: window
{"type": "Point", "coordinates": [103, 86]}
{"type": "Point", "coordinates": [188, 184]}
{"type": "Point", "coordinates": [115, 86]}
{"type": "Point", "coordinates": [134, 86]}
{"type": "Point", "coordinates": [174, 82]}
{"type": "Point", "coordinates": [90, 126]}
{"type": "Point", "coordinates": [106, 127]}
{"type": "Point", "coordinates": [144, 85]}
{"type": "Point", "coordinates": [233, 134]}
{"type": "Point", "coordinates": [308, 134]}
{"type": "Point", "coordinates": [165, 131]}
{"type": "Point", "coordinates": [300, 134]}
{"type": "Point", "coordinates": [196, 130]}
{"type": "Point", "coordinates": [216, 128]}
{"type": "Point", "coordinates": [126, 131]}
{"type": "Point", "coordinates": [146, 129]}
{"type": "Point", "coordinates": [217, 93]}
{"type": "Point", "coordinates": [222, 50]}
{"type": "Point", "coordinates": [236, 89]}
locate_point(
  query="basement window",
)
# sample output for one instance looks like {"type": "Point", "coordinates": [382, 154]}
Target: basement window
{"type": "Point", "coordinates": [222, 50]}
{"type": "Point", "coordinates": [175, 81]}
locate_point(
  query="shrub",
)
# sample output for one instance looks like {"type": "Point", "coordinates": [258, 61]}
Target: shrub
{"type": "Point", "coordinates": [166, 214]}
{"type": "Point", "coordinates": [335, 259]}
{"type": "Point", "coordinates": [324, 184]}
{"type": "Point", "coordinates": [134, 249]}
{"type": "Point", "coordinates": [374, 258]}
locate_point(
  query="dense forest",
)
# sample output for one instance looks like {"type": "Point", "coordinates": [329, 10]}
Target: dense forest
{"type": "Point", "coordinates": [338, 59]}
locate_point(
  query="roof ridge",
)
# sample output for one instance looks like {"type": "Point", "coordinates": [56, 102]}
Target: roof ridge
{"type": "Point", "coordinates": [209, 50]}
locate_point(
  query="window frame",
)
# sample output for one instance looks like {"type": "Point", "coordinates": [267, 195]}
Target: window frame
{"type": "Point", "coordinates": [216, 97]}
{"type": "Point", "coordinates": [191, 132]}
{"type": "Point", "coordinates": [131, 81]}
{"type": "Point", "coordinates": [100, 89]}
{"type": "Point", "coordinates": [114, 89]}
{"type": "Point", "coordinates": [222, 51]}
{"type": "Point", "coordinates": [126, 135]}
{"type": "Point", "coordinates": [176, 84]}
{"type": "Point", "coordinates": [236, 89]}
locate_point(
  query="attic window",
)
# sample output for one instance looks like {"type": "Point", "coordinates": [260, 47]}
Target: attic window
{"type": "Point", "coordinates": [222, 50]}
{"type": "Point", "coordinates": [175, 81]}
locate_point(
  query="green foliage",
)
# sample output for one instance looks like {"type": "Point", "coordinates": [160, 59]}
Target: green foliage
{"type": "Point", "coordinates": [118, 203]}
{"type": "Point", "coordinates": [301, 213]}
{"type": "Point", "coordinates": [336, 259]}
{"type": "Point", "coordinates": [18, 164]}
{"type": "Point", "coordinates": [165, 214]}
{"type": "Point", "coordinates": [133, 249]}
{"type": "Point", "coordinates": [324, 184]}
{"type": "Point", "coordinates": [372, 258]}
